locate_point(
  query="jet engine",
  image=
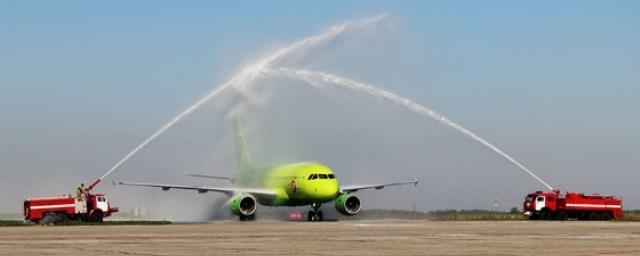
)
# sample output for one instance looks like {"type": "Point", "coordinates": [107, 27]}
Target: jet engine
{"type": "Point", "coordinates": [243, 205]}
{"type": "Point", "coordinates": [347, 204]}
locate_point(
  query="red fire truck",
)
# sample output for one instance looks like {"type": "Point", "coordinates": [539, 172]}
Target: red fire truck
{"type": "Point", "coordinates": [555, 206]}
{"type": "Point", "coordinates": [91, 207]}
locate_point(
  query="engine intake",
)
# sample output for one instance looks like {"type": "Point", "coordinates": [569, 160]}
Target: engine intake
{"type": "Point", "coordinates": [348, 204]}
{"type": "Point", "coordinates": [243, 205]}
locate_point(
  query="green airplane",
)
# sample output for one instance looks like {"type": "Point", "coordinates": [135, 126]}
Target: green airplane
{"type": "Point", "coordinates": [296, 184]}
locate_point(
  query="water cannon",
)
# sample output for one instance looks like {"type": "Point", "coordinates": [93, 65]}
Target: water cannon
{"type": "Point", "coordinates": [95, 183]}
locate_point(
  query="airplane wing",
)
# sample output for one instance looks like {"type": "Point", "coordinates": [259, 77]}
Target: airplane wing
{"type": "Point", "coordinates": [210, 176]}
{"type": "Point", "coordinates": [354, 188]}
{"type": "Point", "coordinates": [259, 193]}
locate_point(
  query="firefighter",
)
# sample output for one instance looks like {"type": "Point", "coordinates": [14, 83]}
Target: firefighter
{"type": "Point", "coordinates": [80, 192]}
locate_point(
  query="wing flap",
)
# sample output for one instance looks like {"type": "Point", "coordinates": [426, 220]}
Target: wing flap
{"type": "Point", "coordinates": [354, 188]}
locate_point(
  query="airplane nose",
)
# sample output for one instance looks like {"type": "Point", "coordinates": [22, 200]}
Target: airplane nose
{"type": "Point", "coordinates": [327, 191]}
{"type": "Point", "coordinates": [332, 190]}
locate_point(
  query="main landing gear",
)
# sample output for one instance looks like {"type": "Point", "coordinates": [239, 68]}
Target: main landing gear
{"type": "Point", "coordinates": [315, 214]}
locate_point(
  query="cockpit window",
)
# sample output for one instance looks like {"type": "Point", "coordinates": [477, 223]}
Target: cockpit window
{"type": "Point", "coordinates": [322, 176]}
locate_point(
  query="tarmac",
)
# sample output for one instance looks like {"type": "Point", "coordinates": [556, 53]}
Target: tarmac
{"type": "Point", "coordinates": [379, 237]}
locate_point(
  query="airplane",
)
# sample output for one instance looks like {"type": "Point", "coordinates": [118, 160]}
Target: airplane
{"type": "Point", "coordinates": [295, 184]}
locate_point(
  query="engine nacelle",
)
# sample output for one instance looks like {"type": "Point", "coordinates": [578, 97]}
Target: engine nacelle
{"type": "Point", "coordinates": [347, 204]}
{"type": "Point", "coordinates": [243, 205]}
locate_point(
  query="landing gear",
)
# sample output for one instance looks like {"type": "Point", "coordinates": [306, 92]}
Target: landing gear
{"type": "Point", "coordinates": [315, 214]}
{"type": "Point", "coordinates": [247, 218]}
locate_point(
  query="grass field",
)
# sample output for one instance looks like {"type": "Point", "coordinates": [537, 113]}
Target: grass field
{"type": "Point", "coordinates": [16, 223]}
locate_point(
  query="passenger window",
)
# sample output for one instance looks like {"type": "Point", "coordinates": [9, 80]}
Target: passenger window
{"type": "Point", "coordinates": [323, 176]}
{"type": "Point", "coordinates": [331, 176]}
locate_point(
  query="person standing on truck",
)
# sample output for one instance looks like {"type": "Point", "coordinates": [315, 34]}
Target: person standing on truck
{"type": "Point", "coordinates": [80, 192]}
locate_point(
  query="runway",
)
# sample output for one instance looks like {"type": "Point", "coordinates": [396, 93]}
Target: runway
{"type": "Point", "coordinates": [383, 237]}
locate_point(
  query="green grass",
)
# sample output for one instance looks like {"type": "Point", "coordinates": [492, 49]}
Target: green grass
{"type": "Point", "coordinates": [16, 223]}
{"type": "Point", "coordinates": [633, 215]}
{"type": "Point", "coordinates": [12, 223]}
{"type": "Point", "coordinates": [440, 215]}
{"type": "Point", "coordinates": [473, 215]}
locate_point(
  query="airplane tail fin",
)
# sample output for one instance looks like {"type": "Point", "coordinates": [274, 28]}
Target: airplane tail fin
{"type": "Point", "coordinates": [243, 161]}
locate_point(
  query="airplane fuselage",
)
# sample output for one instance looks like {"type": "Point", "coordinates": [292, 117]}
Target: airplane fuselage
{"type": "Point", "coordinates": [294, 184]}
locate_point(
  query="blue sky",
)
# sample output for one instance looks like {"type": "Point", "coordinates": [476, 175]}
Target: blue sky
{"type": "Point", "coordinates": [555, 77]}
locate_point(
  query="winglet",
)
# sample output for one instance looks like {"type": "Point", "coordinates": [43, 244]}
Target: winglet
{"type": "Point", "coordinates": [415, 183]}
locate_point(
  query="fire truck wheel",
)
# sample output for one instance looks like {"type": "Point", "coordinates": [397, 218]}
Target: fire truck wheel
{"type": "Point", "coordinates": [594, 216]}
{"type": "Point", "coordinates": [96, 216]}
{"type": "Point", "coordinates": [545, 215]}
{"type": "Point", "coordinates": [606, 216]}
{"type": "Point", "coordinates": [562, 216]}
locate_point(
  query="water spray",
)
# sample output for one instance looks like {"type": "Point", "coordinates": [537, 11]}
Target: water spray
{"type": "Point", "coordinates": [247, 75]}
{"type": "Point", "coordinates": [320, 79]}
{"type": "Point", "coordinates": [243, 80]}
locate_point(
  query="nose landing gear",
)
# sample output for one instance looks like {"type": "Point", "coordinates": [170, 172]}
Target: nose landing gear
{"type": "Point", "coordinates": [315, 214]}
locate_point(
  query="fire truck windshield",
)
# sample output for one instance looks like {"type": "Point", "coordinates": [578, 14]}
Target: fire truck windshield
{"type": "Point", "coordinates": [529, 198]}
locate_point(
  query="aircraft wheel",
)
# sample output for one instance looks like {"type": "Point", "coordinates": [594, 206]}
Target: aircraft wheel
{"type": "Point", "coordinates": [311, 216]}
{"type": "Point", "coordinates": [246, 218]}
{"type": "Point", "coordinates": [319, 216]}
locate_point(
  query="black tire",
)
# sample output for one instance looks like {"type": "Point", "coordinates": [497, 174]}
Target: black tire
{"type": "Point", "coordinates": [247, 218]}
{"type": "Point", "coordinates": [311, 216]}
{"type": "Point", "coordinates": [562, 216]}
{"type": "Point", "coordinates": [545, 215]}
{"type": "Point", "coordinates": [96, 216]}
{"type": "Point", "coordinates": [319, 216]}
{"type": "Point", "coordinates": [606, 216]}
{"type": "Point", "coordinates": [534, 216]}
{"type": "Point", "coordinates": [594, 216]}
